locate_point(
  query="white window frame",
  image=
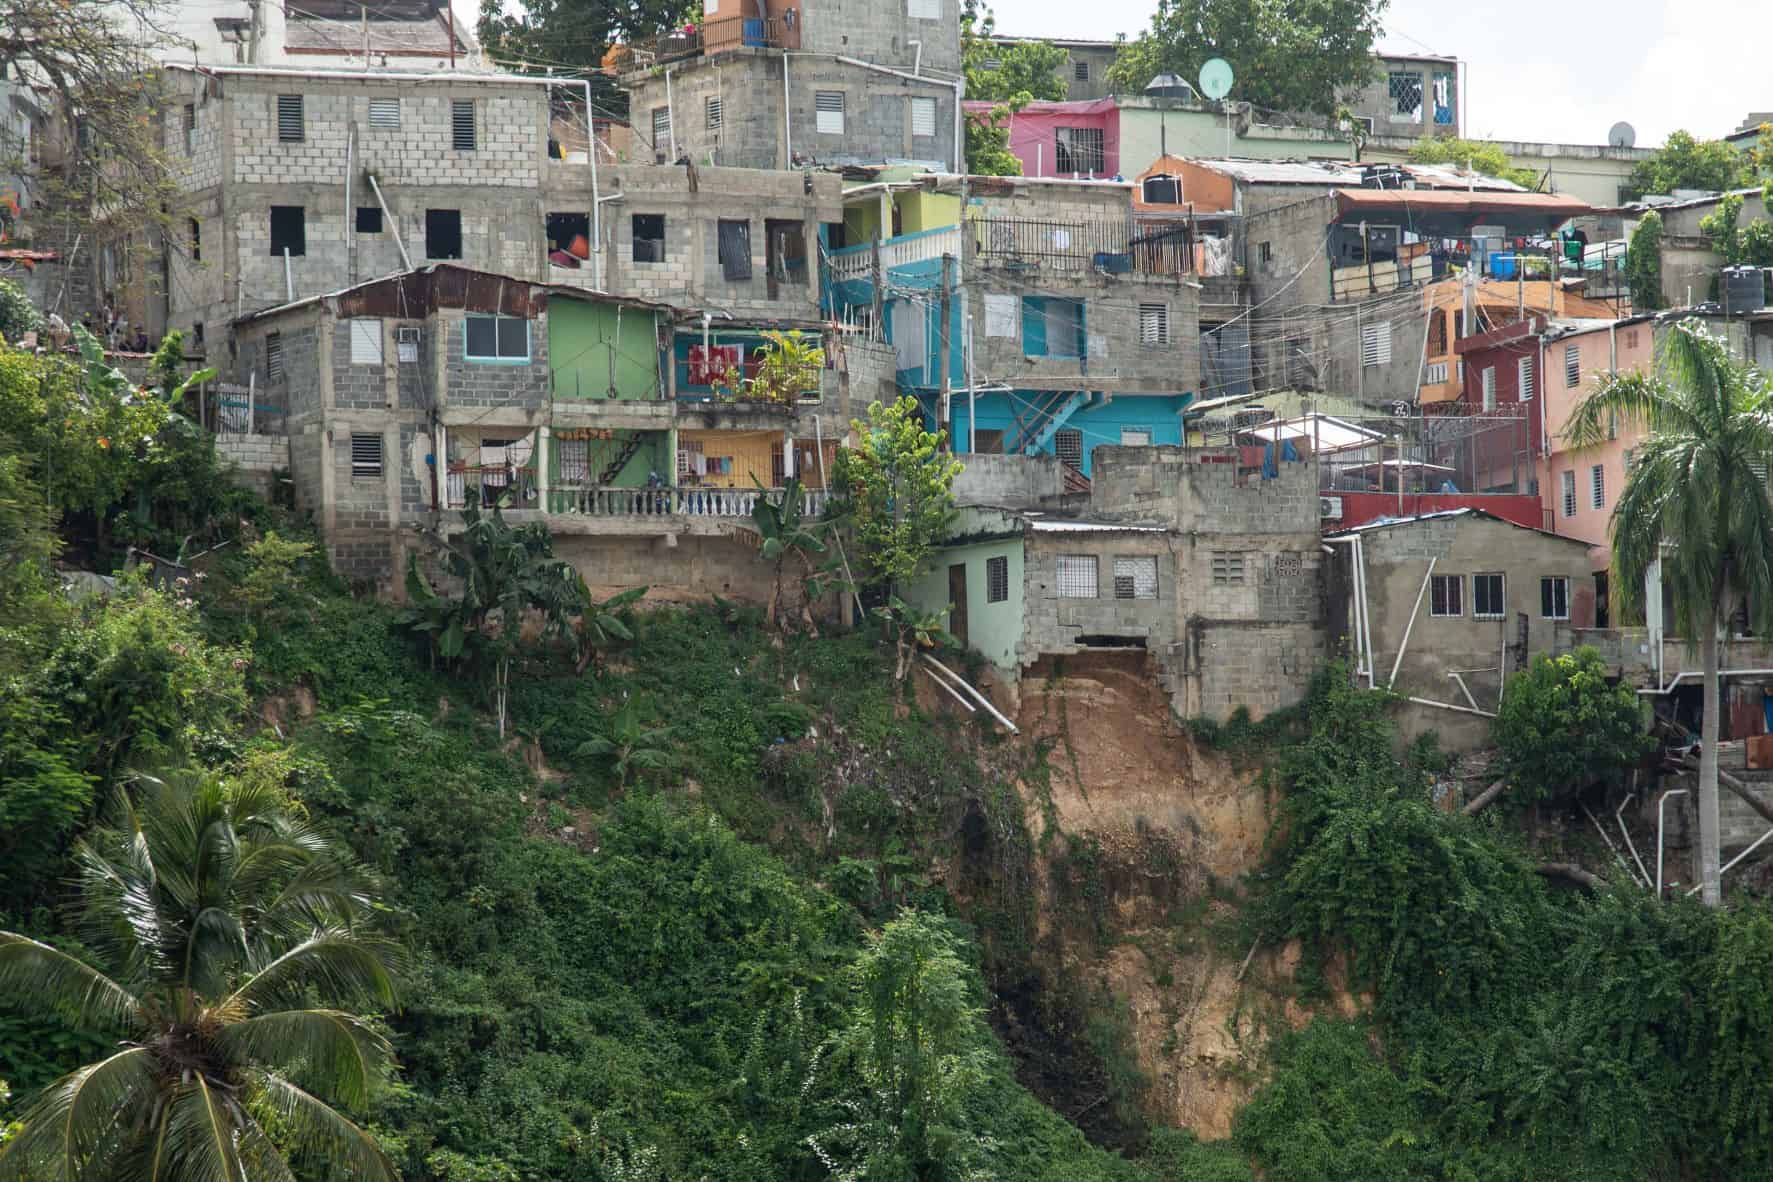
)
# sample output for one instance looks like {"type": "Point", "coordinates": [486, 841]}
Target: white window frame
{"type": "Point", "coordinates": [1072, 573]}
{"type": "Point", "coordinates": [1567, 492]}
{"type": "Point", "coordinates": [1376, 344]}
{"type": "Point", "coordinates": [828, 112]}
{"type": "Point", "coordinates": [1523, 374]}
{"type": "Point", "coordinates": [1446, 598]}
{"type": "Point", "coordinates": [1137, 574]}
{"type": "Point", "coordinates": [1597, 486]}
{"type": "Point", "coordinates": [1572, 366]}
{"type": "Point", "coordinates": [714, 112]}
{"type": "Point", "coordinates": [384, 114]}
{"type": "Point", "coordinates": [923, 117]}
{"type": "Point", "coordinates": [1558, 589]}
{"type": "Point", "coordinates": [1154, 325]}
{"type": "Point", "coordinates": [496, 357]}
{"type": "Point", "coordinates": [1487, 384]}
{"type": "Point", "coordinates": [1478, 613]}
{"type": "Point", "coordinates": [1141, 436]}
{"type": "Point", "coordinates": [366, 341]}
{"type": "Point", "coordinates": [363, 443]}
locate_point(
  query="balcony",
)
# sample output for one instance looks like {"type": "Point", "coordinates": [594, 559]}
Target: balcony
{"type": "Point", "coordinates": [1082, 247]}
{"type": "Point", "coordinates": [857, 262]}
{"type": "Point", "coordinates": [721, 35]}
{"type": "Point", "coordinates": [1378, 263]}
{"type": "Point", "coordinates": [661, 504]}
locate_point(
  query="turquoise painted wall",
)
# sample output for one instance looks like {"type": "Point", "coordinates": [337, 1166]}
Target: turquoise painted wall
{"type": "Point", "coordinates": [1156, 413]}
{"type": "Point", "coordinates": [593, 347]}
{"type": "Point", "coordinates": [993, 629]}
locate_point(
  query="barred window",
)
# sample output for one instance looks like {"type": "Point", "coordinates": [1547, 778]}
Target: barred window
{"type": "Point", "coordinates": [1567, 488]}
{"type": "Point", "coordinates": [1228, 568]}
{"type": "Point", "coordinates": [1078, 149]}
{"type": "Point", "coordinates": [1068, 446]}
{"type": "Point", "coordinates": [572, 459]}
{"type": "Point", "coordinates": [366, 455]}
{"type": "Point", "coordinates": [1487, 596]}
{"type": "Point", "coordinates": [1554, 598]}
{"type": "Point", "coordinates": [1135, 577]}
{"type": "Point", "coordinates": [997, 580]}
{"type": "Point", "coordinates": [1446, 595]}
{"type": "Point", "coordinates": [1077, 576]}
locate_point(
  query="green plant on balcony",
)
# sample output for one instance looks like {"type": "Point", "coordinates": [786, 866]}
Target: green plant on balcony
{"type": "Point", "coordinates": [788, 368]}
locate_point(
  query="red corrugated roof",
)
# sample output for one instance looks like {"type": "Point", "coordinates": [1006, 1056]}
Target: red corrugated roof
{"type": "Point", "coordinates": [1459, 201]}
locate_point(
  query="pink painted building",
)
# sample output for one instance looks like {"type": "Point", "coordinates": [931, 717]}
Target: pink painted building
{"type": "Point", "coordinates": [1581, 487]}
{"type": "Point", "coordinates": [1074, 141]}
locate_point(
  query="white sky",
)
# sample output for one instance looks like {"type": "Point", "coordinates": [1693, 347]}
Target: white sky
{"type": "Point", "coordinates": [1560, 71]}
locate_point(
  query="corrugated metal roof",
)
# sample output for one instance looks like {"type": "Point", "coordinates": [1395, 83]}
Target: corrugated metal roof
{"type": "Point", "coordinates": [1339, 174]}
{"type": "Point", "coordinates": [1461, 201]}
{"type": "Point", "coordinates": [426, 36]}
{"type": "Point", "coordinates": [1443, 514]}
{"type": "Point", "coordinates": [1064, 526]}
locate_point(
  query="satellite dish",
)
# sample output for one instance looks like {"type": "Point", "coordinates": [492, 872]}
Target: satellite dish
{"type": "Point", "coordinates": [1623, 135]}
{"type": "Point", "coordinates": [1215, 78]}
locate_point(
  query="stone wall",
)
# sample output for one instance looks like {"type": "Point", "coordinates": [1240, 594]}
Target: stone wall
{"type": "Point", "coordinates": [1055, 625]}
{"type": "Point", "coordinates": [674, 568]}
{"type": "Point", "coordinates": [1015, 482]}
{"type": "Point", "coordinates": [255, 458]}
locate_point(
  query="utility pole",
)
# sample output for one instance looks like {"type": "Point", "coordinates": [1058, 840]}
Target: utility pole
{"type": "Point", "coordinates": [944, 341]}
{"type": "Point", "coordinates": [879, 333]}
{"type": "Point", "coordinates": [254, 28]}
{"type": "Point", "coordinates": [363, 10]}
{"type": "Point", "coordinates": [450, 7]}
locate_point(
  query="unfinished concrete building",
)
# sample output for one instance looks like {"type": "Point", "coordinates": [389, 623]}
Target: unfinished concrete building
{"type": "Point", "coordinates": [821, 82]}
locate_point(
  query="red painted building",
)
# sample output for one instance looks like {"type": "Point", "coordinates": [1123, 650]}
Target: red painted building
{"type": "Point", "coordinates": [1499, 388]}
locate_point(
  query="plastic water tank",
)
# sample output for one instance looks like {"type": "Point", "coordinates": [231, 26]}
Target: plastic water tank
{"type": "Point", "coordinates": [1742, 289]}
{"type": "Point", "coordinates": [1163, 190]}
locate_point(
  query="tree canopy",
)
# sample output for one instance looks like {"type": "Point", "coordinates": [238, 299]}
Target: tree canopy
{"type": "Point", "coordinates": [1684, 162]}
{"type": "Point", "coordinates": [1476, 155]}
{"type": "Point", "coordinates": [1288, 55]}
{"type": "Point", "coordinates": [1009, 76]}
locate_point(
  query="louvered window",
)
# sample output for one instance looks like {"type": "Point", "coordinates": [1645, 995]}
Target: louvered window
{"type": "Point", "coordinates": [1487, 383]}
{"type": "Point", "coordinates": [1077, 576]}
{"type": "Point", "coordinates": [1135, 578]}
{"type": "Point", "coordinates": [1154, 324]}
{"type": "Point", "coordinates": [828, 109]}
{"type": "Point", "coordinates": [289, 119]}
{"type": "Point", "coordinates": [1597, 486]}
{"type": "Point", "coordinates": [366, 342]}
{"type": "Point", "coordinates": [1567, 492]}
{"type": "Point", "coordinates": [1228, 568]}
{"type": "Point", "coordinates": [384, 114]}
{"type": "Point", "coordinates": [461, 125]}
{"type": "Point", "coordinates": [923, 117]}
{"type": "Point", "coordinates": [1068, 446]}
{"type": "Point", "coordinates": [715, 111]}
{"type": "Point", "coordinates": [1376, 344]}
{"type": "Point", "coordinates": [274, 358]}
{"type": "Point", "coordinates": [997, 580]}
{"type": "Point", "coordinates": [190, 127]}
{"type": "Point", "coordinates": [1523, 368]}
{"type": "Point", "coordinates": [1572, 365]}
{"type": "Point", "coordinates": [661, 128]}
{"type": "Point", "coordinates": [366, 455]}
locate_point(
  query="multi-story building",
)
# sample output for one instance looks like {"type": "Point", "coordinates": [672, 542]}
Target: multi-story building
{"type": "Point", "coordinates": [615, 420]}
{"type": "Point", "coordinates": [1411, 95]}
{"type": "Point", "coordinates": [320, 34]}
{"type": "Point", "coordinates": [1086, 65]}
{"type": "Point", "coordinates": [1083, 323]}
{"type": "Point", "coordinates": [818, 83]}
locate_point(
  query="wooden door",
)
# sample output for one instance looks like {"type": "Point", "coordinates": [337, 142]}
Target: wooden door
{"type": "Point", "coordinates": [957, 597]}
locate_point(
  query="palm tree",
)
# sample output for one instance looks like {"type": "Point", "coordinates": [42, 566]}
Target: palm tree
{"type": "Point", "coordinates": [1696, 501]}
{"type": "Point", "coordinates": [235, 937]}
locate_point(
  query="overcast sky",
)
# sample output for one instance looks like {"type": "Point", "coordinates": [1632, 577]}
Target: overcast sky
{"type": "Point", "coordinates": [1561, 71]}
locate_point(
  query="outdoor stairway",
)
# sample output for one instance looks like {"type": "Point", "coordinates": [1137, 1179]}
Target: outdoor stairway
{"type": "Point", "coordinates": [614, 468]}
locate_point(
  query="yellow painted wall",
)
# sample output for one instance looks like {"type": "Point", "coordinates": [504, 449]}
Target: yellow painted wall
{"type": "Point", "coordinates": [927, 211]}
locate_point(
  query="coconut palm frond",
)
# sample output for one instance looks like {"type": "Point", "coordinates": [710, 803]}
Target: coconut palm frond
{"type": "Point", "coordinates": [329, 1050]}
{"type": "Point", "coordinates": [75, 1120]}
{"type": "Point", "coordinates": [80, 992]}
{"type": "Point", "coordinates": [334, 963]}
{"type": "Point", "coordinates": [346, 1150]}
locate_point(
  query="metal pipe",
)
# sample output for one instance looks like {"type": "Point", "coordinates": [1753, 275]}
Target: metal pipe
{"type": "Point", "coordinates": [671, 118]}
{"type": "Point", "coordinates": [950, 691]}
{"type": "Point", "coordinates": [288, 277]}
{"type": "Point", "coordinates": [787, 117]}
{"type": "Point", "coordinates": [393, 223]}
{"type": "Point", "coordinates": [1617, 856]}
{"type": "Point", "coordinates": [1661, 820]}
{"type": "Point", "coordinates": [350, 215]}
{"type": "Point", "coordinates": [973, 693]}
{"type": "Point", "coordinates": [596, 203]}
{"type": "Point", "coordinates": [972, 385]}
{"type": "Point", "coordinates": [1360, 551]}
{"type": "Point", "coordinates": [1745, 853]}
{"type": "Point", "coordinates": [1450, 706]}
{"type": "Point", "coordinates": [1459, 680]}
{"type": "Point", "coordinates": [1619, 816]}
{"type": "Point", "coordinates": [1405, 643]}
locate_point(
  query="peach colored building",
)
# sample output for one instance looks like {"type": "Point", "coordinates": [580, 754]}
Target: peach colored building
{"type": "Point", "coordinates": [1493, 303]}
{"type": "Point", "coordinates": [1580, 487]}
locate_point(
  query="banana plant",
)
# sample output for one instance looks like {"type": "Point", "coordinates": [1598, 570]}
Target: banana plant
{"type": "Point", "coordinates": [787, 535]}
{"type": "Point", "coordinates": [913, 629]}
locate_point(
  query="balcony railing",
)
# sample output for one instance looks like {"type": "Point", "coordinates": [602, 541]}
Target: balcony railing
{"type": "Point", "coordinates": [516, 487]}
{"type": "Point", "coordinates": [857, 262]}
{"type": "Point", "coordinates": [715, 36]}
{"type": "Point", "coordinates": [1411, 264]}
{"type": "Point", "coordinates": [1079, 247]}
{"type": "Point", "coordinates": [671, 502]}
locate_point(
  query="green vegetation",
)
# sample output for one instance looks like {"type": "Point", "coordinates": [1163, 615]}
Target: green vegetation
{"type": "Point", "coordinates": [18, 315]}
{"type": "Point", "coordinates": [1562, 728]}
{"type": "Point", "coordinates": [895, 492]}
{"type": "Point", "coordinates": [1476, 155]}
{"type": "Point", "coordinates": [1751, 244]}
{"type": "Point", "coordinates": [1684, 162]}
{"type": "Point", "coordinates": [1008, 76]}
{"type": "Point", "coordinates": [1288, 56]}
{"type": "Point", "coordinates": [231, 942]}
{"type": "Point", "coordinates": [1643, 263]}
{"type": "Point", "coordinates": [1696, 503]}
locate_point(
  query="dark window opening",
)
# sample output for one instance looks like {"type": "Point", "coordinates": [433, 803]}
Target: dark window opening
{"type": "Point", "coordinates": [196, 241]}
{"type": "Point", "coordinates": [289, 230]}
{"type": "Point", "coordinates": [290, 129]}
{"type": "Point", "coordinates": [835, 236]}
{"type": "Point", "coordinates": [1102, 640]}
{"type": "Point", "coordinates": [569, 238]}
{"type": "Point", "coordinates": [734, 248]}
{"type": "Point", "coordinates": [369, 219]}
{"type": "Point", "coordinates": [496, 338]}
{"type": "Point", "coordinates": [443, 233]}
{"type": "Point", "coordinates": [649, 237]}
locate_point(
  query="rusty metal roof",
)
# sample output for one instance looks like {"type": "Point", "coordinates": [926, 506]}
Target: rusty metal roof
{"type": "Point", "coordinates": [442, 285]}
{"type": "Point", "coordinates": [1460, 201]}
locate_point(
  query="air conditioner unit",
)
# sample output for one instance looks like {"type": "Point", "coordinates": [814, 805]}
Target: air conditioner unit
{"type": "Point", "coordinates": [407, 336]}
{"type": "Point", "coordinates": [1329, 508]}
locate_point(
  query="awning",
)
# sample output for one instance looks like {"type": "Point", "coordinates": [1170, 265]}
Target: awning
{"type": "Point", "coordinates": [1329, 435]}
{"type": "Point", "coordinates": [1552, 206]}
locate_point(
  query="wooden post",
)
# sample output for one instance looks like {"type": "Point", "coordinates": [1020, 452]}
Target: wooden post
{"type": "Point", "coordinates": [944, 411]}
{"type": "Point", "coordinates": [879, 295]}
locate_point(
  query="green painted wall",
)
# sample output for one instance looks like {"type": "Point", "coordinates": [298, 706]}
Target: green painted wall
{"type": "Point", "coordinates": [927, 211]}
{"type": "Point", "coordinates": [1202, 134]}
{"type": "Point", "coordinates": [993, 629]}
{"type": "Point", "coordinates": [653, 455]}
{"type": "Point", "coordinates": [593, 346]}
{"type": "Point", "coordinates": [861, 222]}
